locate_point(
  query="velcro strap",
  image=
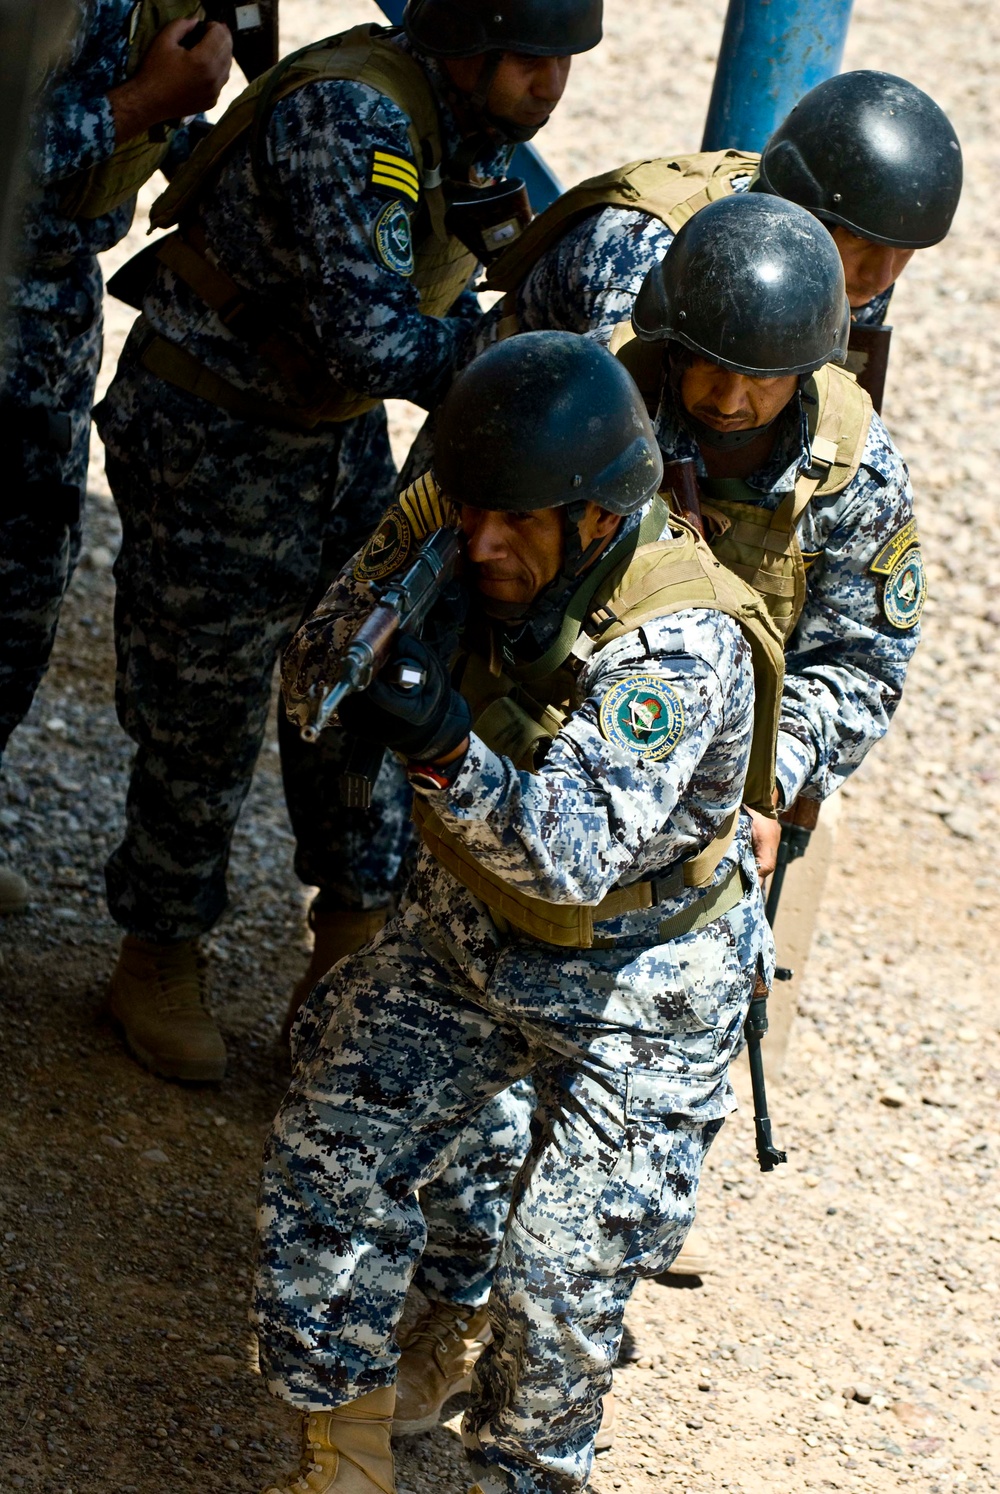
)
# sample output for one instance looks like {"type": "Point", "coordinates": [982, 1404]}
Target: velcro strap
{"type": "Point", "coordinates": [745, 532]}
{"type": "Point", "coordinates": [715, 903]}
{"type": "Point", "coordinates": [568, 925]}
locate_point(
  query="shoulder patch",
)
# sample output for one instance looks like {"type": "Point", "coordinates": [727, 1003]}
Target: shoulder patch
{"type": "Point", "coordinates": [387, 549]}
{"type": "Point", "coordinates": [904, 588]}
{"type": "Point", "coordinates": [905, 591]}
{"type": "Point", "coordinates": [394, 173]}
{"type": "Point", "coordinates": [392, 238]}
{"type": "Point", "coordinates": [888, 557]}
{"type": "Point", "coordinates": [644, 715]}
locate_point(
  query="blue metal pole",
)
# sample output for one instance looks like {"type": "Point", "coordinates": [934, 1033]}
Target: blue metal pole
{"type": "Point", "coordinates": [541, 181]}
{"type": "Point", "coordinates": [773, 51]}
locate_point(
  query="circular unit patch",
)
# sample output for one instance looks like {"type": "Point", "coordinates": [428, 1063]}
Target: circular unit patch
{"type": "Point", "coordinates": [905, 591]}
{"type": "Point", "coordinates": [393, 239]}
{"type": "Point", "coordinates": [644, 715]}
{"type": "Point", "coordinates": [387, 549]}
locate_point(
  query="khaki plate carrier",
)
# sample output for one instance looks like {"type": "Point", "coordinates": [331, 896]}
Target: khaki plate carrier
{"type": "Point", "coordinates": [755, 543]}
{"type": "Point", "coordinates": [100, 189]}
{"type": "Point", "coordinates": [442, 264]}
{"type": "Point", "coordinates": [517, 712]}
{"type": "Point", "coordinates": [671, 189]}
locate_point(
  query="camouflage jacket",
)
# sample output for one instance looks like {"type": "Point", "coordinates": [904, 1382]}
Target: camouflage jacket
{"type": "Point", "coordinates": [318, 262]}
{"type": "Point", "coordinates": [73, 128]}
{"type": "Point", "coordinates": [845, 663]}
{"type": "Point", "coordinates": [588, 281]}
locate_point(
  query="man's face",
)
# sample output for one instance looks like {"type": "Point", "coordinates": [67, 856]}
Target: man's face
{"type": "Point", "coordinates": [525, 90]}
{"type": "Point", "coordinates": [731, 401]}
{"type": "Point", "coordinates": [869, 268]}
{"type": "Point", "coordinates": [513, 557]}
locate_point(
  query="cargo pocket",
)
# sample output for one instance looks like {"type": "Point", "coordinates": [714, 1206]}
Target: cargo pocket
{"type": "Point", "coordinates": [599, 1203]}
{"type": "Point", "coordinates": [580, 1197]}
{"type": "Point", "coordinates": [673, 1145]}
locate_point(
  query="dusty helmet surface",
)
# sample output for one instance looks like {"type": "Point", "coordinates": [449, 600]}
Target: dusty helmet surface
{"type": "Point", "coordinates": [873, 153]}
{"type": "Point", "coordinates": [752, 283]}
{"type": "Point", "coordinates": [545, 420]}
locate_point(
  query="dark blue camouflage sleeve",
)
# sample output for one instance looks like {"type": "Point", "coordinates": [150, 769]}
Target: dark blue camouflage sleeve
{"type": "Point", "coordinates": [72, 124]}
{"type": "Point", "coordinates": [354, 237]}
{"type": "Point", "coordinates": [847, 659]}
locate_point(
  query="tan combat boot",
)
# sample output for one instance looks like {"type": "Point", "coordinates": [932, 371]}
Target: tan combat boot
{"type": "Point", "coordinates": [336, 934]}
{"type": "Point", "coordinates": [157, 993]}
{"type": "Point", "coordinates": [605, 1437]}
{"type": "Point", "coordinates": [436, 1363]}
{"type": "Point", "coordinates": [13, 892]}
{"type": "Point", "coordinates": [694, 1257]}
{"type": "Point", "coordinates": [347, 1451]}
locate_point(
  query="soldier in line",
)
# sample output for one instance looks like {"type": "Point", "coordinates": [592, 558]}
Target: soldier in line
{"type": "Point", "coordinates": [806, 499]}
{"type": "Point", "coordinates": [315, 271]}
{"type": "Point", "coordinates": [585, 909]}
{"type": "Point", "coordinates": [870, 154]}
{"type": "Point", "coordinates": [102, 125]}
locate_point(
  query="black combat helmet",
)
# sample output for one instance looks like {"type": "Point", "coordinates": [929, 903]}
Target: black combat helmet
{"type": "Point", "coordinates": [754, 284]}
{"type": "Point", "coordinates": [534, 28]}
{"type": "Point", "coordinates": [546, 420]}
{"type": "Point", "coordinates": [871, 152]}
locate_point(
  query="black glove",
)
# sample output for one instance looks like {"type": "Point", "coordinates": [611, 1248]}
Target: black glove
{"type": "Point", "coordinates": [422, 722]}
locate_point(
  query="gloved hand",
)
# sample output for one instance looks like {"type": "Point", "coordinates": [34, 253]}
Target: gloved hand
{"type": "Point", "coordinates": [423, 722]}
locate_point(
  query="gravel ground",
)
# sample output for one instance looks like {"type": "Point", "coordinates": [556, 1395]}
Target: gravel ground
{"type": "Point", "coordinates": [847, 1338]}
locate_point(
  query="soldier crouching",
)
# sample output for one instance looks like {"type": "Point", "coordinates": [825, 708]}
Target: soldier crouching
{"type": "Point", "coordinates": [585, 910]}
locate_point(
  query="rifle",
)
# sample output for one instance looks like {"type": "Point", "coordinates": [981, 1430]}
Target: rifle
{"type": "Point", "coordinates": [755, 1027]}
{"type": "Point", "coordinates": [797, 824]}
{"type": "Point", "coordinates": [868, 359]}
{"type": "Point", "coordinates": [401, 608]}
{"type": "Point", "coordinates": [681, 478]}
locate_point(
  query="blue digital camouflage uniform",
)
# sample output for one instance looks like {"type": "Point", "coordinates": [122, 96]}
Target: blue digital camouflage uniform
{"type": "Point", "coordinates": [628, 1046]}
{"type": "Point", "coordinates": [232, 529]}
{"type": "Point", "coordinates": [52, 351]}
{"type": "Point", "coordinates": [587, 283]}
{"type": "Point", "coordinates": [846, 661]}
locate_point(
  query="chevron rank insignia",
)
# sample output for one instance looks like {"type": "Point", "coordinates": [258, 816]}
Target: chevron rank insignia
{"type": "Point", "coordinates": [644, 715]}
{"type": "Point", "coordinates": [394, 173]}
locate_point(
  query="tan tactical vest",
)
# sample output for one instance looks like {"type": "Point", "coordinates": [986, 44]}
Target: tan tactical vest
{"type": "Point", "coordinates": [757, 544]}
{"type": "Point", "coordinates": [442, 264]}
{"type": "Point", "coordinates": [100, 189]}
{"type": "Point", "coordinates": [672, 190]}
{"type": "Point", "coordinates": [517, 711]}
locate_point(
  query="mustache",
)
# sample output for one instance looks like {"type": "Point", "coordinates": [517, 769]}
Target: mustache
{"type": "Point", "coordinates": [710, 414]}
{"type": "Point", "coordinates": [488, 570]}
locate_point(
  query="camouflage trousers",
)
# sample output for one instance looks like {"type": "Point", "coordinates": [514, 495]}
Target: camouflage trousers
{"type": "Point", "coordinates": [231, 532]}
{"type": "Point", "coordinates": [395, 1054]}
{"type": "Point", "coordinates": [51, 356]}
